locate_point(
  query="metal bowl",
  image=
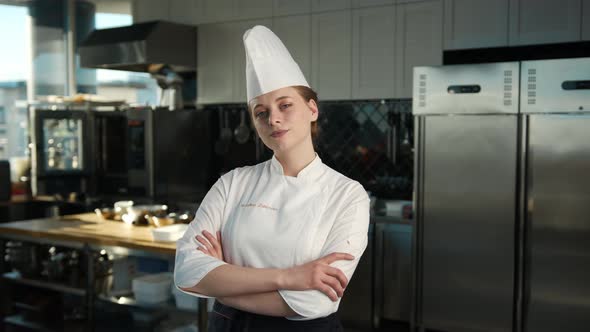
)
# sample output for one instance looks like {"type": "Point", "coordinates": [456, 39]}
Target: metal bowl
{"type": "Point", "coordinates": [105, 213]}
{"type": "Point", "coordinates": [140, 214]}
{"type": "Point", "coordinates": [161, 221]}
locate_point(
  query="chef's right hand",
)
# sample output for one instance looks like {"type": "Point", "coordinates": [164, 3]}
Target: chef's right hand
{"type": "Point", "coordinates": [318, 275]}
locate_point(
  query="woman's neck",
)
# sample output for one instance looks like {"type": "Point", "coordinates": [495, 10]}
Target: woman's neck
{"type": "Point", "coordinates": [295, 160]}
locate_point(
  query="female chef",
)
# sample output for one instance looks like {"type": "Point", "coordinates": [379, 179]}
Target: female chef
{"type": "Point", "coordinates": [276, 243]}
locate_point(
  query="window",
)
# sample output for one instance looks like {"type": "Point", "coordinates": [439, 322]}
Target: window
{"type": "Point", "coordinates": [2, 118]}
{"type": "Point", "coordinates": [14, 69]}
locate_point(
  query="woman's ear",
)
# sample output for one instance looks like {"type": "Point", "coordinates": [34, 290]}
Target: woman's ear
{"type": "Point", "coordinates": [313, 106]}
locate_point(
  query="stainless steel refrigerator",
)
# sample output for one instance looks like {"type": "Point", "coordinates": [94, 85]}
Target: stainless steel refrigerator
{"type": "Point", "coordinates": [502, 238]}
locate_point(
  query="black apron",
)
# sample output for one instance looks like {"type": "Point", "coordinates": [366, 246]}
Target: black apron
{"type": "Point", "coordinates": [227, 319]}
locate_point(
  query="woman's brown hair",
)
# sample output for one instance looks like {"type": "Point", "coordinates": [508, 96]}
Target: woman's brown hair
{"type": "Point", "coordinates": [308, 94]}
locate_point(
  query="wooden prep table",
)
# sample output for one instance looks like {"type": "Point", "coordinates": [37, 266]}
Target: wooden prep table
{"type": "Point", "coordinates": [90, 232]}
{"type": "Point", "coordinates": [87, 228]}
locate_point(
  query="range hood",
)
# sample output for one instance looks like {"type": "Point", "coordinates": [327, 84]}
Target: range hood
{"type": "Point", "coordinates": [138, 46]}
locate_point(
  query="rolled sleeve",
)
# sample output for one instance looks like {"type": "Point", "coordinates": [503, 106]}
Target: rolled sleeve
{"type": "Point", "coordinates": [192, 265]}
{"type": "Point", "coordinates": [349, 234]}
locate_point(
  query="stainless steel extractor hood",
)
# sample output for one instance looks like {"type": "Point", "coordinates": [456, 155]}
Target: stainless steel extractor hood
{"type": "Point", "coordinates": [136, 47]}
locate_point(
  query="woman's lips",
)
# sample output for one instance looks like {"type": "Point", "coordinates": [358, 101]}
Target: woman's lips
{"type": "Point", "coordinates": [278, 133]}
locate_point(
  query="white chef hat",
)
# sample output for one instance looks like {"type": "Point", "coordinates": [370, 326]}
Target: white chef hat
{"type": "Point", "coordinates": [269, 65]}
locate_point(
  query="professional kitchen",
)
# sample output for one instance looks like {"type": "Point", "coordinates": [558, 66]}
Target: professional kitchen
{"type": "Point", "coordinates": [311, 165]}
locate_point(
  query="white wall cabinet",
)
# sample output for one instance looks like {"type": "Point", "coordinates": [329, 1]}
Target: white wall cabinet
{"type": "Point", "coordinates": [291, 7]}
{"type": "Point", "coordinates": [373, 49]}
{"type": "Point", "coordinates": [149, 10]}
{"type": "Point", "coordinates": [211, 11]}
{"type": "Point", "coordinates": [253, 9]}
{"type": "Point", "coordinates": [544, 21]}
{"type": "Point", "coordinates": [329, 5]}
{"type": "Point", "coordinates": [419, 41]}
{"type": "Point", "coordinates": [475, 23]}
{"type": "Point", "coordinates": [183, 11]}
{"type": "Point", "coordinates": [370, 3]}
{"type": "Point", "coordinates": [221, 61]}
{"type": "Point", "coordinates": [331, 55]}
{"type": "Point", "coordinates": [297, 41]}
{"type": "Point", "coordinates": [214, 63]}
{"type": "Point", "coordinates": [586, 20]}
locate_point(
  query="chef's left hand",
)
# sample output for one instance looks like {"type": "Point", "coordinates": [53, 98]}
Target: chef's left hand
{"type": "Point", "coordinates": [210, 244]}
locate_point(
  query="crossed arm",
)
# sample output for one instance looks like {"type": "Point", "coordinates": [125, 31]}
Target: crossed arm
{"type": "Point", "coordinates": [256, 290]}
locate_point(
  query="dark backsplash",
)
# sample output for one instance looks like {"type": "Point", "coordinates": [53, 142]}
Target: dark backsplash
{"type": "Point", "coordinates": [370, 141]}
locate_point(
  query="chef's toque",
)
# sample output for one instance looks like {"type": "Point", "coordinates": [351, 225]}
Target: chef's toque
{"type": "Point", "coordinates": [269, 65]}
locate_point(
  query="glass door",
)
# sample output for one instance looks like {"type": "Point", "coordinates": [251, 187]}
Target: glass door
{"type": "Point", "coordinates": [60, 142]}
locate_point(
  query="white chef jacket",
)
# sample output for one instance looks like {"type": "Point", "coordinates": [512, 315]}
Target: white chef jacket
{"type": "Point", "coordinates": [269, 220]}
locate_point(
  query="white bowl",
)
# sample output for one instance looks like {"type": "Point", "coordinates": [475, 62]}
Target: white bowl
{"type": "Point", "coordinates": [169, 233]}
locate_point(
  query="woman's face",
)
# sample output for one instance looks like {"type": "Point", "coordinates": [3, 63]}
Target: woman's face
{"type": "Point", "coordinates": [283, 118]}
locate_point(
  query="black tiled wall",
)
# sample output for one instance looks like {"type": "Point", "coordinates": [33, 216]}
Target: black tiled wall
{"type": "Point", "coordinates": [370, 141]}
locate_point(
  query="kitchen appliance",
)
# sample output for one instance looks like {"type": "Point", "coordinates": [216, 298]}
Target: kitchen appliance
{"type": "Point", "coordinates": [135, 47]}
{"type": "Point", "coordinates": [152, 152]}
{"type": "Point", "coordinates": [5, 183]}
{"type": "Point", "coordinates": [119, 151]}
{"type": "Point", "coordinates": [501, 231]}
{"type": "Point", "coordinates": [555, 107]}
{"type": "Point", "coordinates": [170, 84]}
{"type": "Point", "coordinates": [166, 50]}
{"type": "Point", "coordinates": [60, 148]}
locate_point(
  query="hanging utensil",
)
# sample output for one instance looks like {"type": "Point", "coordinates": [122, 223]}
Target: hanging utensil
{"type": "Point", "coordinates": [242, 132]}
{"type": "Point", "coordinates": [406, 140]}
{"type": "Point", "coordinates": [383, 108]}
{"type": "Point", "coordinates": [225, 135]}
{"type": "Point", "coordinates": [392, 134]}
{"type": "Point", "coordinates": [219, 148]}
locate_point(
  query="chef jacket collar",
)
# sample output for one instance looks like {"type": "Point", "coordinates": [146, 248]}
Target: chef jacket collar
{"type": "Point", "coordinates": [307, 172]}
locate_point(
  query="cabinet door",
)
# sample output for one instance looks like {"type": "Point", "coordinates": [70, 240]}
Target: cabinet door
{"type": "Point", "coordinates": [183, 11]}
{"type": "Point", "coordinates": [418, 41]}
{"type": "Point", "coordinates": [214, 57]}
{"type": "Point", "coordinates": [239, 56]}
{"type": "Point", "coordinates": [328, 5]}
{"type": "Point", "coordinates": [586, 20]}
{"type": "Point", "coordinates": [251, 9]}
{"type": "Point", "coordinates": [544, 21]}
{"type": "Point", "coordinates": [369, 3]}
{"type": "Point", "coordinates": [290, 7]}
{"type": "Point", "coordinates": [149, 10]}
{"type": "Point", "coordinates": [373, 45]}
{"type": "Point", "coordinates": [397, 247]}
{"type": "Point", "coordinates": [475, 23]}
{"type": "Point", "coordinates": [297, 41]}
{"type": "Point", "coordinates": [558, 223]}
{"type": "Point", "coordinates": [210, 11]}
{"type": "Point", "coordinates": [331, 54]}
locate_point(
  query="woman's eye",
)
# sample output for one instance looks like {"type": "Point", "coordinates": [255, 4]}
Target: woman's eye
{"type": "Point", "coordinates": [284, 106]}
{"type": "Point", "coordinates": [261, 114]}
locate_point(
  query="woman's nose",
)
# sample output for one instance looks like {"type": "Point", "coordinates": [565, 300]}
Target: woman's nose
{"type": "Point", "coordinates": [274, 117]}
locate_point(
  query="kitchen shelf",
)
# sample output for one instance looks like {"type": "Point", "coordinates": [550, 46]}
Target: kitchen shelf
{"type": "Point", "coordinates": [43, 284]}
{"type": "Point", "coordinates": [130, 301]}
{"type": "Point", "coordinates": [18, 320]}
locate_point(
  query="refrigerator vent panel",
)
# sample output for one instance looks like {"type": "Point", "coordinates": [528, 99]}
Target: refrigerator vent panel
{"type": "Point", "coordinates": [532, 86]}
{"type": "Point", "coordinates": [422, 91]}
{"type": "Point", "coordinates": [508, 87]}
